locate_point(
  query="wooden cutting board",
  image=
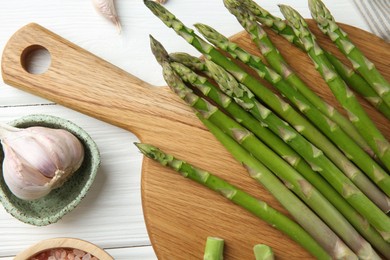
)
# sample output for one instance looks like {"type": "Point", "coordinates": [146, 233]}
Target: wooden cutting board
{"type": "Point", "coordinates": [179, 214]}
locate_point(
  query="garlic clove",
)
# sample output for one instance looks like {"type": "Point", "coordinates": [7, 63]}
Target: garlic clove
{"type": "Point", "coordinates": [21, 187]}
{"type": "Point", "coordinates": [107, 9]}
{"type": "Point", "coordinates": [19, 168]}
{"type": "Point", "coordinates": [58, 147]}
{"type": "Point", "coordinates": [39, 159]}
{"type": "Point", "coordinates": [18, 141]}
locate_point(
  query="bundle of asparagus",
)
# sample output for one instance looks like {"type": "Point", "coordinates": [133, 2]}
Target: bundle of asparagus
{"type": "Point", "coordinates": [282, 149]}
{"type": "Point", "coordinates": [354, 80]}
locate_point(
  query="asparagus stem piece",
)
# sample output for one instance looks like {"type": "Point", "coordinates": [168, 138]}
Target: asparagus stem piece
{"type": "Point", "coordinates": [271, 99]}
{"type": "Point", "coordinates": [263, 252]}
{"type": "Point", "coordinates": [279, 147]}
{"type": "Point", "coordinates": [214, 248]}
{"type": "Point", "coordinates": [364, 66]}
{"type": "Point", "coordinates": [343, 94]}
{"type": "Point", "coordinates": [298, 185]}
{"type": "Point", "coordinates": [328, 127]}
{"type": "Point", "coordinates": [258, 208]}
{"type": "Point", "coordinates": [354, 80]}
{"type": "Point", "coordinates": [308, 151]}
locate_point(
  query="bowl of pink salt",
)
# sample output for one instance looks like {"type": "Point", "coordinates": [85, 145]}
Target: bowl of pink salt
{"type": "Point", "coordinates": [64, 249]}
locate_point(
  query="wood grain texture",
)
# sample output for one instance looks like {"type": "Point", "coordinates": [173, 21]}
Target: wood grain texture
{"type": "Point", "coordinates": [179, 214]}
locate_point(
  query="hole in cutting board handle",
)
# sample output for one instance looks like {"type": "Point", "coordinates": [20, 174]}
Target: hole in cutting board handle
{"type": "Point", "coordinates": [35, 59]}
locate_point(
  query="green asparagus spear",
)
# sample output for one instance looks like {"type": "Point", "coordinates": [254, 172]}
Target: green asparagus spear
{"type": "Point", "coordinates": [279, 147]}
{"type": "Point", "coordinates": [213, 249]}
{"type": "Point", "coordinates": [344, 95]}
{"type": "Point", "coordinates": [298, 184]}
{"type": "Point", "coordinates": [354, 80]}
{"type": "Point", "coordinates": [359, 84]}
{"type": "Point", "coordinates": [263, 252]}
{"type": "Point", "coordinates": [243, 117]}
{"type": "Point", "coordinates": [258, 208]}
{"type": "Point", "coordinates": [329, 128]}
{"type": "Point", "coordinates": [275, 59]}
{"type": "Point", "coordinates": [311, 133]}
{"type": "Point", "coordinates": [308, 151]}
{"type": "Point", "coordinates": [272, 100]}
{"type": "Point", "coordinates": [276, 103]}
{"type": "Point", "coordinates": [365, 67]}
{"type": "Point", "coordinates": [258, 172]}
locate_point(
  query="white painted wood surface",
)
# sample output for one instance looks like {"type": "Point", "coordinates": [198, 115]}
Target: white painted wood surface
{"type": "Point", "coordinates": [111, 214]}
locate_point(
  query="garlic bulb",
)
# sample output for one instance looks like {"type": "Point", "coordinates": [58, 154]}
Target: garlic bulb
{"type": "Point", "coordinates": [38, 159]}
{"type": "Point", "coordinates": [107, 9]}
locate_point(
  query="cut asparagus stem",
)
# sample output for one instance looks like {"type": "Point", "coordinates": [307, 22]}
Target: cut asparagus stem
{"type": "Point", "coordinates": [329, 128]}
{"type": "Point", "coordinates": [364, 66]}
{"type": "Point", "coordinates": [313, 155]}
{"type": "Point", "coordinates": [343, 94]}
{"type": "Point", "coordinates": [299, 185]}
{"type": "Point", "coordinates": [258, 208]}
{"type": "Point", "coordinates": [354, 80]}
{"type": "Point", "coordinates": [279, 147]}
{"type": "Point", "coordinates": [262, 92]}
{"type": "Point", "coordinates": [263, 252]}
{"type": "Point", "coordinates": [214, 248]}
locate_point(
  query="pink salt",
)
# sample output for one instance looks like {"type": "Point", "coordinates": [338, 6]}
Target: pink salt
{"type": "Point", "coordinates": [63, 254]}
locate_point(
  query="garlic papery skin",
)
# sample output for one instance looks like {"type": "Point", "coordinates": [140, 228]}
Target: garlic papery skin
{"type": "Point", "coordinates": [38, 159]}
{"type": "Point", "coordinates": [107, 9]}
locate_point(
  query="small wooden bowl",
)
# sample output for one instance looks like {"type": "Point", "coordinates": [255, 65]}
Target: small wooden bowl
{"type": "Point", "coordinates": [64, 242]}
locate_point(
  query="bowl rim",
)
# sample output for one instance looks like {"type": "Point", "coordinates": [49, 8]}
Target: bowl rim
{"type": "Point", "coordinates": [64, 242]}
{"type": "Point", "coordinates": [50, 119]}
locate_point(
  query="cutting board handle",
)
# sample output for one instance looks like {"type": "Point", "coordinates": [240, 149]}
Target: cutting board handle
{"type": "Point", "coordinates": [82, 81]}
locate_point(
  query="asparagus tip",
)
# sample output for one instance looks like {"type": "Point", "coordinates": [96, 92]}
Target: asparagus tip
{"type": "Point", "coordinates": [155, 7]}
{"type": "Point", "coordinates": [144, 148]}
{"type": "Point", "coordinates": [292, 16]}
{"type": "Point", "coordinates": [158, 50]}
{"type": "Point", "coordinates": [232, 4]}
{"type": "Point", "coordinates": [285, 9]}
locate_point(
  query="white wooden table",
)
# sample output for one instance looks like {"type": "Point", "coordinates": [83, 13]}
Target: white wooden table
{"type": "Point", "coordinates": [111, 214]}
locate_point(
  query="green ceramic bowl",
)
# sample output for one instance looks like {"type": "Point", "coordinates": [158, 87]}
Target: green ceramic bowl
{"type": "Point", "coordinates": [60, 201]}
